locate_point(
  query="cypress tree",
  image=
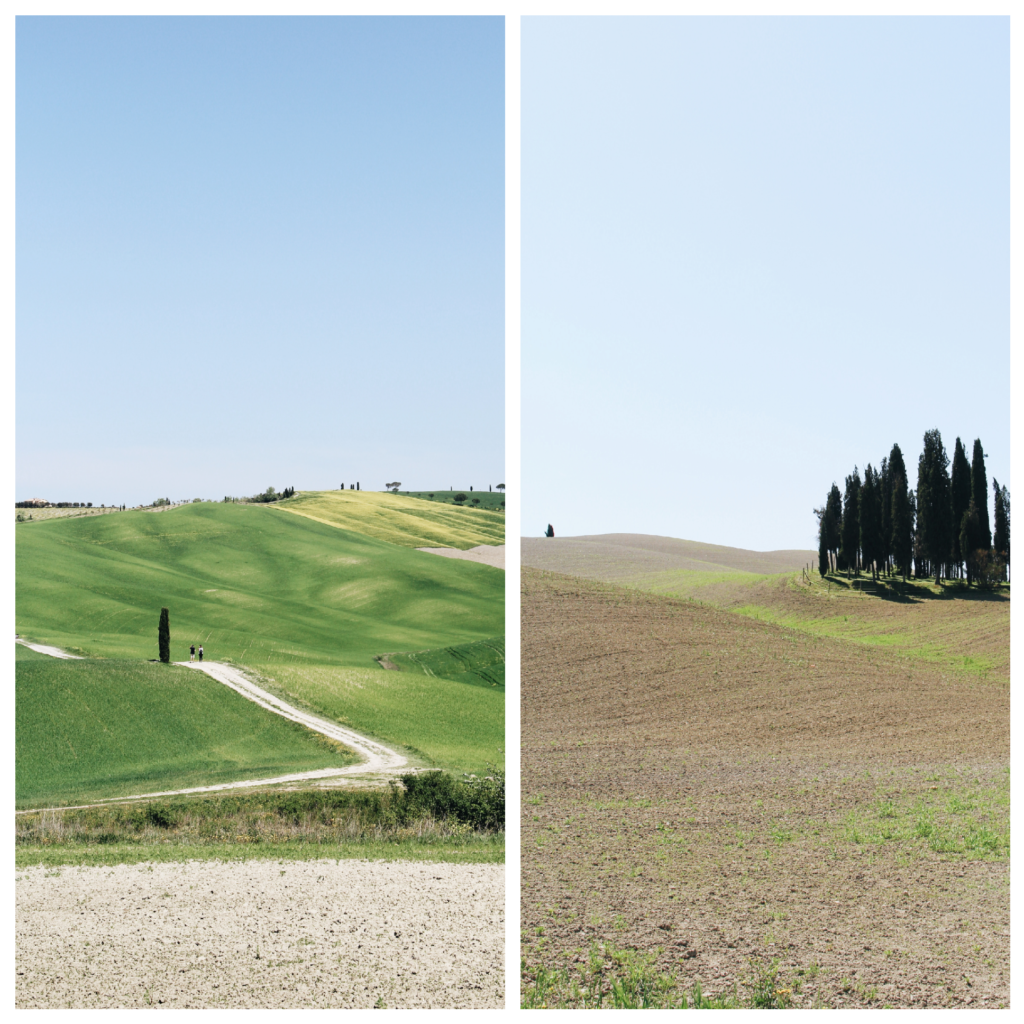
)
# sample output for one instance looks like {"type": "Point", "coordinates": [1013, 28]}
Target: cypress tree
{"type": "Point", "coordinates": [901, 539]}
{"type": "Point", "coordinates": [164, 636]}
{"type": "Point", "coordinates": [979, 492]}
{"type": "Point", "coordinates": [921, 564]}
{"type": "Point", "coordinates": [902, 528]}
{"type": "Point", "coordinates": [885, 515]}
{"type": "Point", "coordinates": [970, 537]}
{"type": "Point", "coordinates": [823, 563]}
{"type": "Point", "coordinates": [870, 525]}
{"type": "Point", "coordinates": [1001, 523]}
{"type": "Point", "coordinates": [833, 520]}
{"type": "Point", "coordinates": [934, 510]}
{"type": "Point", "coordinates": [849, 538]}
{"type": "Point", "coordinates": [960, 498]}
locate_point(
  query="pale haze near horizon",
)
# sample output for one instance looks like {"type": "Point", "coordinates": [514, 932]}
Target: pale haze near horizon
{"type": "Point", "coordinates": [258, 251]}
{"type": "Point", "coordinates": [755, 253]}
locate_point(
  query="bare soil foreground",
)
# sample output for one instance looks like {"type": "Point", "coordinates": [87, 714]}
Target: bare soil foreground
{"type": "Point", "coordinates": [274, 934]}
{"type": "Point", "coordinates": [488, 554]}
{"type": "Point", "coordinates": [759, 809]}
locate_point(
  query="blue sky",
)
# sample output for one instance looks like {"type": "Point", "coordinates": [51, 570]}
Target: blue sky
{"type": "Point", "coordinates": [756, 252]}
{"type": "Point", "coordinates": [258, 251]}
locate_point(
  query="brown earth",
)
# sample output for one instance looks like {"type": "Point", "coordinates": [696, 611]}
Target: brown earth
{"type": "Point", "coordinates": [722, 792]}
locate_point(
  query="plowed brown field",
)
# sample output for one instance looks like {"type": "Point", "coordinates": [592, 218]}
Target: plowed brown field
{"type": "Point", "coordinates": [720, 792]}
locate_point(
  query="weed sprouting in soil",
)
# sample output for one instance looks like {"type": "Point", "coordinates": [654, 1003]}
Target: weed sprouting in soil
{"type": "Point", "coordinates": [612, 978]}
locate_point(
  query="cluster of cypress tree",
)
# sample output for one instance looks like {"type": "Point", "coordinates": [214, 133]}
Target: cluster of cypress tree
{"type": "Point", "coordinates": [941, 530]}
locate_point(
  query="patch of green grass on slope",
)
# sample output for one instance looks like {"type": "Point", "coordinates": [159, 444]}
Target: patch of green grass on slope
{"type": "Point", "coordinates": [96, 728]}
{"type": "Point", "coordinates": [441, 722]}
{"type": "Point", "coordinates": [481, 663]}
{"type": "Point", "coordinates": [400, 519]}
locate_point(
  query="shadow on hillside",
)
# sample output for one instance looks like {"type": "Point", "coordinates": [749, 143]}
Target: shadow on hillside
{"type": "Point", "coordinates": [918, 591]}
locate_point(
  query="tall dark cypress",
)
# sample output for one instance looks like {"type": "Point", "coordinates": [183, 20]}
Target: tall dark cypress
{"type": "Point", "coordinates": [901, 541]}
{"type": "Point", "coordinates": [833, 520]}
{"type": "Point", "coordinates": [164, 636]}
{"type": "Point", "coordinates": [979, 492]}
{"type": "Point", "coordinates": [823, 566]}
{"type": "Point", "coordinates": [885, 515]}
{"type": "Point", "coordinates": [960, 497]}
{"type": "Point", "coordinates": [934, 511]}
{"type": "Point", "coordinates": [870, 525]}
{"type": "Point", "coordinates": [920, 562]}
{"type": "Point", "coordinates": [849, 539]}
{"type": "Point", "coordinates": [1001, 522]}
{"type": "Point", "coordinates": [970, 538]}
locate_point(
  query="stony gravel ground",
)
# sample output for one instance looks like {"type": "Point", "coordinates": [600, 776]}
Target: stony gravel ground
{"type": "Point", "coordinates": [279, 934]}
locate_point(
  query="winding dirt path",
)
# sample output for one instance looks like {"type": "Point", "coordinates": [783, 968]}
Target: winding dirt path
{"type": "Point", "coordinates": [53, 652]}
{"type": "Point", "coordinates": [378, 760]}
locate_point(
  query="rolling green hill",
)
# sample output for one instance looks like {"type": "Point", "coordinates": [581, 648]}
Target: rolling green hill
{"type": "Point", "coordinates": [281, 594]}
{"type": "Point", "coordinates": [400, 519]}
{"type": "Point", "coordinates": [99, 728]}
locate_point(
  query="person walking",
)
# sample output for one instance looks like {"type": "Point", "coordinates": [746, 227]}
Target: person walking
{"type": "Point", "coordinates": [192, 653]}
{"type": "Point", "coordinates": [200, 652]}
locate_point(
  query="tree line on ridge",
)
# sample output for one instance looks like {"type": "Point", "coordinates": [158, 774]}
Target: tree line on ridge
{"type": "Point", "coordinates": [942, 529]}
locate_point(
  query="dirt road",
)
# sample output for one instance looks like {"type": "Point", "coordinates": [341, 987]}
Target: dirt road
{"type": "Point", "coordinates": [261, 934]}
{"type": "Point", "coordinates": [53, 652]}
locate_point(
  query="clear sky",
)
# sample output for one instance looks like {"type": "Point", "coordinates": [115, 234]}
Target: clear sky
{"type": "Point", "coordinates": [757, 252]}
{"type": "Point", "coordinates": [258, 251]}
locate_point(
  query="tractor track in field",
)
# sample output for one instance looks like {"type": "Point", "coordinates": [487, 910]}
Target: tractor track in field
{"type": "Point", "coordinates": [378, 760]}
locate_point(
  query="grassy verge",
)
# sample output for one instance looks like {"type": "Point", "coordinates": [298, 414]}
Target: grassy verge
{"type": "Point", "coordinates": [431, 816]}
{"type": "Point", "coordinates": [483, 849]}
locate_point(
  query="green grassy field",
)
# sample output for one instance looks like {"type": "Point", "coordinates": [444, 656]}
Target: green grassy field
{"type": "Point", "coordinates": [410, 522]}
{"type": "Point", "coordinates": [481, 663]}
{"type": "Point", "coordinates": [248, 582]}
{"type": "Point", "coordinates": [435, 721]}
{"type": "Point", "coordinates": [964, 629]}
{"type": "Point", "coordinates": [92, 729]}
{"type": "Point", "coordinates": [301, 604]}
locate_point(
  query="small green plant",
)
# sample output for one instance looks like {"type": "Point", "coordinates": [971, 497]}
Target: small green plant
{"type": "Point", "coordinates": [766, 988]}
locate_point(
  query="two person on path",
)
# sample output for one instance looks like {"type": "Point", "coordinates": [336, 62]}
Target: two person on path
{"type": "Point", "coordinates": [192, 653]}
